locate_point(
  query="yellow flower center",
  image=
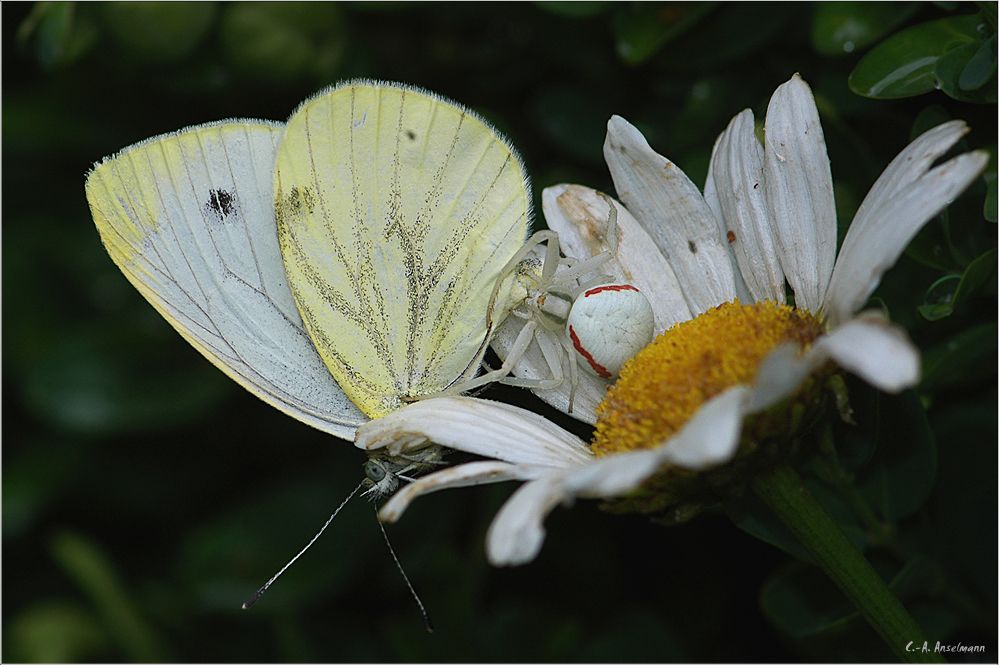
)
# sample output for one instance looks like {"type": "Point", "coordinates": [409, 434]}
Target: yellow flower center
{"type": "Point", "coordinates": [664, 385]}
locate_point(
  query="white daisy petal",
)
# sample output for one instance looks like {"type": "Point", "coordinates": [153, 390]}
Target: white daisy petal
{"type": "Point", "coordinates": [590, 389]}
{"type": "Point", "coordinates": [463, 475]}
{"type": "Point", "coordinates": [874, 349]}
{"type": "Point", "coordinates": [779, 375]}
{"type": "Point", "coordinates": [670, 207]}
{"type": "Point", "coordinates": [616, 474]}
{"type": "Point", "coordinates": [517, 532]}
{"type": "Point", "coordinates": [711, 436]}
{"type": "Point", "coordinates": [711, 198]}
{"type": "Point", "coordinates": [708, 439]}
{"type": "Point", "coordinates": [477, 426]}
{"type": "Point", "coordinates": [799, 191]}
{"type": "Point", "coordinates": [737, 170]}
{"type": "Point", "coordinates": [906, 168]}
{"type": "Point", "coordinates": [878, 244]}
{"type": "Point", "coordinates": [579, 215]}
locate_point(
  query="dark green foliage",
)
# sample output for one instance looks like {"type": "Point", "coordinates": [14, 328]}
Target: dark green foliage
{"type": "Point", "coordinates": [145, 495]}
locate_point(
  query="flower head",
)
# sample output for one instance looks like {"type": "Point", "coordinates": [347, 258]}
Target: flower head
{"type": "Point", "coordinates": [735, 371]}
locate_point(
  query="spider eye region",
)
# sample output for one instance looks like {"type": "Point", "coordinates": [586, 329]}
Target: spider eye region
{"type": "Point", "coordinates": [608, 325]}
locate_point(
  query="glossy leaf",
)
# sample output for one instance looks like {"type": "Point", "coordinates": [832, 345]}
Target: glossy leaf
{"type": "Point", "coordinates": [644, 28]}
{"type": "Point", "coordinates": [843, 27]}
{"type": "Point", "coordinates": [981, 67]}
{"type": "Point", "coordinates": [903, 65]}
{"type": "Point", "coordinates": [968, 356]}
{"type": "Point", "coordinates": [949, 292]}
{"type": "Point", "coordinates": [951, 67]}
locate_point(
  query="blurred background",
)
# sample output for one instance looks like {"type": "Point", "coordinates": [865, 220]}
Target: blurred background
{"type": "Point", "coordinates": [146, 496]}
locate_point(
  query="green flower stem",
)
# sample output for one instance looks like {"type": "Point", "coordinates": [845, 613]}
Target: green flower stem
{"type": "Point", "coordinates": [813, 526]}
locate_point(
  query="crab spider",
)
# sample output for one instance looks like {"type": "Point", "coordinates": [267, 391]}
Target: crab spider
{"type": "Point", "coordinates": [601, 325]}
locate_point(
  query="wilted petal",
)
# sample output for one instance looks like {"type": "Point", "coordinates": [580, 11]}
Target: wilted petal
{"type": "Point", "coordinates": [517, 532]}
{"type": "Point", "coordinates": [670, 207]}
{"type": "Point", "coordinates": [874, 349]}
{"type": "Point", "coordinates": [737, 173]}
{"type": "Point", "coordinates": [711, 198]}
{"type": "Point", "coordinates": [867, 254]}
{"type": "Point", "coordinates": [463, 475]}
{"type": "Point", "coordinates": [580, 215]}
{"type": "Point", "coordinates": [477, 426]}
{"type": "Point", "coordinates": [798, 181]}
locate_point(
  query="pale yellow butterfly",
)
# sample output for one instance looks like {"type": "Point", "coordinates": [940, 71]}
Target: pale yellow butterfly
{"type": "Point", "coordinates": [397, 212]}
{"type": "Point", "coordinates": [188, 217]}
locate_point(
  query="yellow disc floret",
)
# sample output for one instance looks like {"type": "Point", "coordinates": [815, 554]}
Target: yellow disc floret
{"type": "Point", "coordinates": [665, 384]}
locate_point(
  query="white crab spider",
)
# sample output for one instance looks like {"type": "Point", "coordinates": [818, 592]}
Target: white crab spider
{"type": "Point", "coordinates": [601, 325]}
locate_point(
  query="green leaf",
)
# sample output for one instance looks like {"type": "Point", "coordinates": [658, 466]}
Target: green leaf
{"type": "Point", "coordinates": [284, 40]}
{"type": "Point", "coordinates": [750, 514]}
{"type": "Point", "coordinates": [948, 292]}
{"type": "Point", "coordinates": [574, 121]}
{"type": "Point", "coordinates": [56, 631]}
{"type": "Point", "coordinates": [899, 477]}
{"type": "Point", "coordinates": [843, 27]}
{"type": "Point", "coordinates": [988, 9]}
{"type": "Point", "coordinates": [903, 65]}
{"type": "Point", "coordinates": [989, 210]}
{"type": "Point", "coordinates": [82, 561]}
{"type": "Point", "coordinates": [967, 357]}
{"type": "Point", "coordinates": [158, 31]}
{"type": "Point", "coordinates": [802, 601]}
{"type": "Point", "coordinates": [574, 9]}
{"type": "Point", "coordinates": [754, 517]}
{"type": "Point", "coordinates": [932, 247]}
{"type": "Point", "coordinates": [939, 299]}
{"type": "Point", "coordinates": [642, 29]}
{"type": "Point", "coordinates": [59, 33]}
{"type": "Point", "coordinates": [981, 67]}
{"type": "Point", "coordinates": [949, 69]}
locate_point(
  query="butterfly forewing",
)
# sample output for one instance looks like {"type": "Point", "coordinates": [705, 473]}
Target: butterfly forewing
{"type": "Point", "coordinates": [396, 213]}
{"type": "Point", "coordinates": [188, 218]}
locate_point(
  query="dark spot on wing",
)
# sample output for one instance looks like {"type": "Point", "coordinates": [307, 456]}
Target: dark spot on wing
{"type": "Point", "coordinates": [220, 204]}
{"type": "Point", "coordinates": [693, 247]}
{"type": "Point", "coordinates": [410, 134]}
{"type": "Point", "coordinates": [300, 200]}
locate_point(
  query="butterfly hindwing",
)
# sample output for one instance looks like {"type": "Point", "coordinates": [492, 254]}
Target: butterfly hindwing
{"type": "Point", "coordinates": [188, 218]}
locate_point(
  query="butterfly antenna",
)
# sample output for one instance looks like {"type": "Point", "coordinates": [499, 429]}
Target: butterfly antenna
{"type": "Point", "coordinates": [249, 603]}
{"type": "Point", "coordinates": [423, 610]}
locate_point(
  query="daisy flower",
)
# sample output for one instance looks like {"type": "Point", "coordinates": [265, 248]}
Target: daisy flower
{"type": "Point", "coordinates": [737, 372]}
